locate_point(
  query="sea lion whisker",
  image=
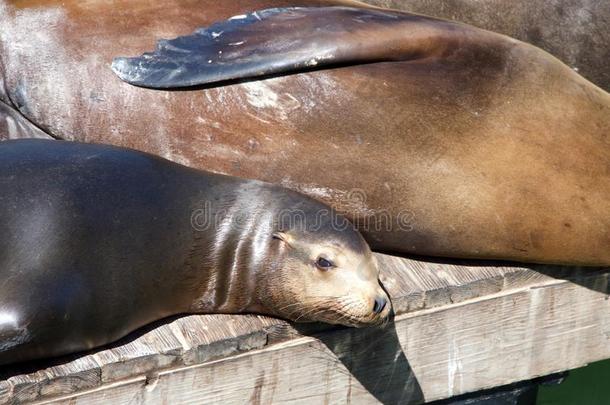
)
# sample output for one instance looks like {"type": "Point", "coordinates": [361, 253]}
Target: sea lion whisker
{"type": "Point", "coordinates": [290, 305]}
{"type": "Point", "coordinates": [299, 305]}
{"type": "Point", "coordinates": [344, 310]}
{"type": "Point", "coordinates": [316, 307]}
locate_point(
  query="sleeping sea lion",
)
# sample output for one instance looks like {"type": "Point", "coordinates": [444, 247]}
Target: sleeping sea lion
{"type": "Point", "coordinates": [98, 241]}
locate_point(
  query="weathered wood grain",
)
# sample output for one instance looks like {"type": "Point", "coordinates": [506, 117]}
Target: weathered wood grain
{"type": "Point", "coordinates": [460, 327]}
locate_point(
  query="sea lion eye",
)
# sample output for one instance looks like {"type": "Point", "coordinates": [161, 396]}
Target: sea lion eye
{"type": "Point", "coordinates": [324, 264]}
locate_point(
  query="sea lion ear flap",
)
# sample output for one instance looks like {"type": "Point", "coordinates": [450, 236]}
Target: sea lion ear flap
{"type": "Point", "coordinates": [284, 237]}
{"type": "Point", "coordinates": [279, 40]}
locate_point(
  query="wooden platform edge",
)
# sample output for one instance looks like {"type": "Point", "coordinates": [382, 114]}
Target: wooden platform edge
{"type": "Point", "coordinates": [426, 355]}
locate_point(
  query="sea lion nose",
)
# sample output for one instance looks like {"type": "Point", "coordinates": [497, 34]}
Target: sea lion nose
{"type": "Point", "coordinates": [379, 305]}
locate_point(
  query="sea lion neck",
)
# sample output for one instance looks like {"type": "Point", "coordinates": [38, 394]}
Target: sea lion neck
{"type": "Point", "coordinates": [232, 228]}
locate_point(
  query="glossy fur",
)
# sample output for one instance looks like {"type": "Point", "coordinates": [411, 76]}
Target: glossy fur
{"type": "Point", "coordinates": [98, 241]}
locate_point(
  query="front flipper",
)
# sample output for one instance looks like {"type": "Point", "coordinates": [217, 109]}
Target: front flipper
{"type": "Point", "coordinates": [284, 40]}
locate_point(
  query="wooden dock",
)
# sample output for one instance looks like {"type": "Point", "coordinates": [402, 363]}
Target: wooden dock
{"type": "Point", "coordinates": [459, 328]}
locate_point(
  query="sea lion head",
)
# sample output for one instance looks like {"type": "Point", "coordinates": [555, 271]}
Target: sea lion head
{"type": "Point", "coordinates": [323, 271]}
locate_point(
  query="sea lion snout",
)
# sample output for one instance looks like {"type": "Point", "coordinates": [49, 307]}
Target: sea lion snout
{"type": "Point", "coordinates": [380, 307]}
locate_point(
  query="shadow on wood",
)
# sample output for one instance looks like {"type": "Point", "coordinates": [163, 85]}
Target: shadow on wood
{"type": "Point", "coordinates": [374, 357]}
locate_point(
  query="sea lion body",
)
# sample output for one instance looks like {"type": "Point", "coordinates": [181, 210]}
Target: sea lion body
{"type": "Point", "coordinates": [98, 241]}
{"type": "Point", "coordinates": [478, 146]}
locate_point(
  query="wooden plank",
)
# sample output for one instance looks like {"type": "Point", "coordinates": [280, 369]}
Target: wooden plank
{"type": "Point", "coordinates": [413, 285]}
{"type": "Point", "coordinates": [426, 355]}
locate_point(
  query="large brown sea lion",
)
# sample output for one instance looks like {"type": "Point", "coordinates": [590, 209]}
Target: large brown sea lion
{"type": "Point", "coordinates": [469, 143]}
{"type": "Point", "coordinates": [98, 241]}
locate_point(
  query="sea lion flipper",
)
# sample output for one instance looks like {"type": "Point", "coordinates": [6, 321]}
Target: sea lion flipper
{"type": "Point", "coordinates": [273, 41]}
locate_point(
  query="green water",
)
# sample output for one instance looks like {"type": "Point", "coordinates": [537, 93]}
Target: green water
{"type": "Point", "coordinates": [584, 386]}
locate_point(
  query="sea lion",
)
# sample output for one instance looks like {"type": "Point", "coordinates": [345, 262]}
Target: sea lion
{"type": "Point", "coordinates": [436, 138]}
{"type": "Point", "coordinates": [98, 241]}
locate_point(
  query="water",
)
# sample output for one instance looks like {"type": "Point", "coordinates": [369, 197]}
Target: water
{"type": "Point", "coordinates": [584, 386]}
